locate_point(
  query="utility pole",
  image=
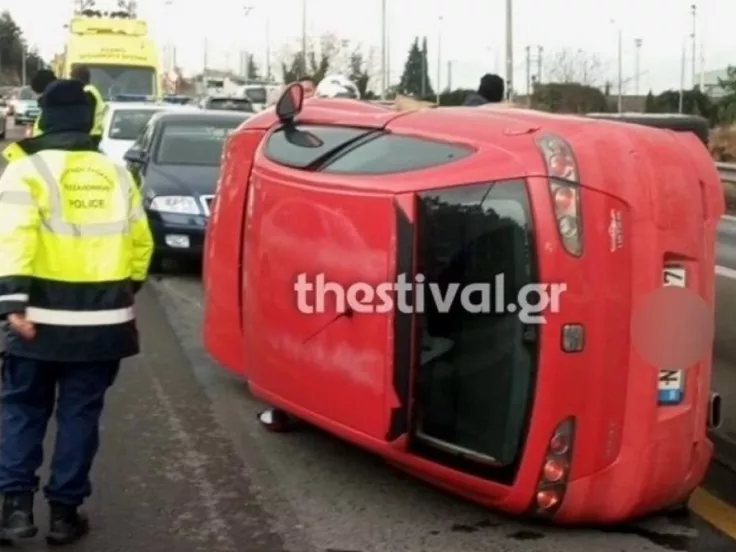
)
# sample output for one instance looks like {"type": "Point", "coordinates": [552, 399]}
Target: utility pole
{"type": "Point", "coordinates": [637, 64]}
{"type": "Point", "coordinates": [449, 75]}
{"type": "Point", "coordinates": [683, 64]}
{"type": "Point", "coordinates": [439, 60]}
{"type": "Point", "coordinates": [268, 47]}
{"type": "Point", "coordinates": [206, 56]}
{"type": "Point", "coordinates": [531, 60]}
{"type": "Point", "coordinates": [620, 71]}
{"type": "Point", "coordinates": [304, 38]}
{"type": "Point", "coordinates": [540, 57]}
{"type": "Point", "coordinates": [694, 12]}
{"type": "Point", "coordinates": [509, 49]}
{"type": "Point", "coordinates": [246, 55]}
{"type": "Point", "coordinates": [384, 53]}
{"type": "Point", "coordinates": [23, 70]}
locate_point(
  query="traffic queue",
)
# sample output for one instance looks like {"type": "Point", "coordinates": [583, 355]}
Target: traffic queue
{"type": "Point", "coordinates": [564, 420]}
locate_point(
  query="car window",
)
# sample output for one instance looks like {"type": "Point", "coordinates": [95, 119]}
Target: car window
{"type": "Point", "coordinates": [257, 95]}
{"type": "Point", "coordinates": [392, 153]}
{"type": "Point", "coordinates": [127, 124]}
{"type": "Point", "coordinates": [144, 139]}
{"type": "Point", "coordinates": [310, 144]}
{"type": "Point", "coordinates": [231, 104]}
{"type": "Point", "coordinates": [193, 143]}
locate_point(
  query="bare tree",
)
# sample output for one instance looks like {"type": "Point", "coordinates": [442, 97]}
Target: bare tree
{"type": "Point", "coordinates": [576, 66]}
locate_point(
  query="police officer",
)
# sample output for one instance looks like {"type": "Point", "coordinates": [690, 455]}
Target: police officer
{"type": "Point", "coordinates": [97, 103]}
{"type": "Point", "coordinates": [75, 247]}
{"type": "Point", "coordinates": [39, 83]}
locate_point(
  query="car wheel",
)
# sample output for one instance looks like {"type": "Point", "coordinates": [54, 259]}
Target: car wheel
{"type": "Point", "coordinates": [158, 264]}
{"type": "Point", "coordinates": [2, 134]}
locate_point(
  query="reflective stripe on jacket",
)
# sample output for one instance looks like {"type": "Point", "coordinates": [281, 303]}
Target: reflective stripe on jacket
{"type": "Point", "coordinates": [74, 246]}
{"type": "Point", "coordinates": [97, 125]}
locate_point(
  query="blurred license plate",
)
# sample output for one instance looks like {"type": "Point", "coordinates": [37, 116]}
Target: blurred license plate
{"type": "Point", "coordinates": [671, 387]}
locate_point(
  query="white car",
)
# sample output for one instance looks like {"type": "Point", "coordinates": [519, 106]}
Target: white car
{"type": "Point", "coordinates": [124, 121]}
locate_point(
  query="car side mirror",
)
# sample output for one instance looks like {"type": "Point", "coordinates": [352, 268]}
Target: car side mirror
{"type": "Point", "coordinates": [290, 103]}
{"type": "Point", "coordinates": [136, 156]}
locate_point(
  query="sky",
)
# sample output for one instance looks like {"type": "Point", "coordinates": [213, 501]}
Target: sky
{"type": "Point", "coordinates": [469, 34]}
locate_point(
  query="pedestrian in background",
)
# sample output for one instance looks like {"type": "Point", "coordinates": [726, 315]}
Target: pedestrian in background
{"type": "Point", "coordinates": [39, 83]}
{"type": "Point", "coordinates": [490, 90]}
{"type": "Point", "coordinates": [96, 102]}
{"type": "Point", "coordinates": [75, 247]}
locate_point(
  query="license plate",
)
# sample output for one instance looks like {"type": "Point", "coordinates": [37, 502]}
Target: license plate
{"type": "Point", "coordinates": [671, 387]}
{"type": "Point", "coordinates": [674, 276]}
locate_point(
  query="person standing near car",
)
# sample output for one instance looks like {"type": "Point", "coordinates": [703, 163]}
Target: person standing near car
{"type": "Point", "coordinates": [97, 103]}
{"type": "Point", "coordinates": [39, 83]}
{"type": "Point", "coordinates": [490, 90]}
{"type": "Point", "coordinates": [75, 247]}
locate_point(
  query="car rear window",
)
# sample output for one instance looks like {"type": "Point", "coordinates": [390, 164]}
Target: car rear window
{"type": "Point", "coordinates": [392, 153]}
{"type": "Point", "coordinates": [127, 124]}
{"type": "Point", "coordinates": [310, 144]}
{"type": "Point", "coordinates": [194, 143]}
{"type": "Point", "coordinates": [256, 95]}
{"type": "Point", "coordinates": [350, 150]}
{"type": "Point", "coordinates": [233, 104]}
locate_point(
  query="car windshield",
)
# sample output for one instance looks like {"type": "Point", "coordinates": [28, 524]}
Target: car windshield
{"type": "Point", "coordinates": [127, 124]}
{"type": "Point", "coordinates": [231, 104]}
{"type": "Point", "coordinates": [114, 80]}
{"type": "Point", "coordinates": [256, 95]}
{"type": "Point", "coordinates": [194, 142]}
{"type": "Point", "coordinates": [26, 94]}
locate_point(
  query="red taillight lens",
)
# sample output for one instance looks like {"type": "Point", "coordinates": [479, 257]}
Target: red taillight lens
{"type": "Point", "coordinates": [554, 470]}
{"type": "Point", "coordinates": [555, 474]}
{"type": "Point", "coordinates": [564, 186]}
{"type": "Point", "coordinates": [547, 500]}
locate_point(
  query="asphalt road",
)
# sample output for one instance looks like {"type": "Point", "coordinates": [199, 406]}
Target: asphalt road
{"type": "Point", "coordinates": [184, 467]}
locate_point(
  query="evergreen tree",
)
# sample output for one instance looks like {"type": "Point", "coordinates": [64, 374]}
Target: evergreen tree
{"type": "Point", "coordinates": [415, 78]}
{"type": "Point", "coordinates": [650, 105]}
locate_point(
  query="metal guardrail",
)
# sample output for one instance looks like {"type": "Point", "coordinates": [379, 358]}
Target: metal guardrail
{"type": "Point", "coordinates": [728, 172]}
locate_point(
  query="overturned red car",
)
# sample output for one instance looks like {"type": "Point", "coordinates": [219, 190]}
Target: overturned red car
{"type": "Point", "coordinates": [555, 417]}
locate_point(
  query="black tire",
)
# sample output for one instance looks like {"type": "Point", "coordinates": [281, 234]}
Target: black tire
{"type": "Point", "coordinates": [672, 121]}
{"type": "Point", "coordinates": [158, 264]}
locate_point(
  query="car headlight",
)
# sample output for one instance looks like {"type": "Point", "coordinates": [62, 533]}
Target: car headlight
{"type": "Point", "coordinates": [183, 205]}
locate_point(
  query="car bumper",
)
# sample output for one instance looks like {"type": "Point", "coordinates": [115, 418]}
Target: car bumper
{"type": "Point", "coordinates": [177, 236]}
{"type": "Point", "coordinates": [23, 119]}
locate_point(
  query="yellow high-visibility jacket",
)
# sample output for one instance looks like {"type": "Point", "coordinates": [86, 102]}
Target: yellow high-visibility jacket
{"type": "Point", "coordinates": [75, 246]}
{"type": "Point", "coordinates": [99, 115]}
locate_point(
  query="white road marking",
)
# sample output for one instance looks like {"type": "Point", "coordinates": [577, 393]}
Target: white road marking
{"type": "Point", "coordinates": [729, 218]}
{"type": "Point", "coordinates": [726, 272]}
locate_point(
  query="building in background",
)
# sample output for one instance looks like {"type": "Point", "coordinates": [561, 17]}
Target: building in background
{"type": "Point", "coordinates": [711, 86]}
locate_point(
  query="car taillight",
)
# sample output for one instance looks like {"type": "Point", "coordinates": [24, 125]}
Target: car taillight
{"type": "Point", "coordinates": [564, 185]}
{"type": "Point", "coordinates": [553, 479]}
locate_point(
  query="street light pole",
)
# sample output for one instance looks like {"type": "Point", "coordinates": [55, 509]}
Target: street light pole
{"type": "Point", "coordinates": [620, 65]}
{"type": "Point", "coordinates": [384, 53]}
{"type": "Point", "coordinates": [509, 49]}
{"type": "Point", "coordinates": [246, 56]}
{"type": "Point", "coordinates": [637, 62]}
{"type": "Point", "coordinates": [304, 38]}
{"type": "Point", "coordinates": [439, 60]}
{"type": "Point", "coordinates": [694, 12]}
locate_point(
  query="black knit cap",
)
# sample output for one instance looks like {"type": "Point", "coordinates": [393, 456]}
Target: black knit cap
{"type": "Point", "coordinates": [41, 80]}
{"type": "Point", "coordinates": [65, 107]}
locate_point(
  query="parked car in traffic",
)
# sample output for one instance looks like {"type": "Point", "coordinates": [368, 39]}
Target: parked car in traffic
{"type": "Point", "coordinates": [565, 418]}
{"type": "Point", "coordinates": [3, 120]}
{"type": "Point", "coordinates": [25, 111]}
{"type": "Point", "coordinates": [228, 103]}
{"type": "Point", "coordinates": [123, 123]}
{"type": "Point", "coordinates": [176, 161]}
